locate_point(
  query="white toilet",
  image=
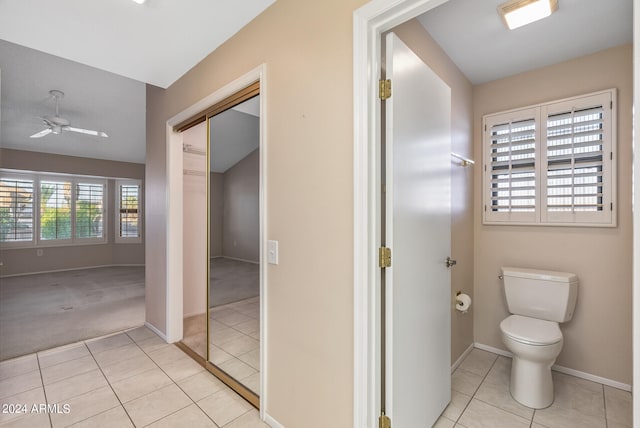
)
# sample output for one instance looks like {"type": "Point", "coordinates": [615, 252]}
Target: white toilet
{"type": "Point", "coordinates": [538, 300]}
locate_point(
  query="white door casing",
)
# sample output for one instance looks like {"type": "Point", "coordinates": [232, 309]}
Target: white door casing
{"type": "Point", "coordinates": [418, 231]}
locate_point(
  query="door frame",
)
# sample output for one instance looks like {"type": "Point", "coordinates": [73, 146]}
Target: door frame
{"type": "Point", "coordinates": [174, 178]}
{"type": "Point", "coordinates": [369, 22]}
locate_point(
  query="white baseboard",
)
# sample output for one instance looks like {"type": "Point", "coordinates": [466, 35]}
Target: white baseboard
{"type": "Point", "coordinates": [241, 260]}
{"type": "Point", "coordinates": [193, 314]}
{"type": "Point", "coordinates": [462, 357]}
{"type": "Point", "coordinates": [272, 422]}
{"type": "Point", "coordinates": [70, 269]}
{"type": "Point", "coordinates": [156, 331]}
{"type": "Point", "coordinates": [561, 369]}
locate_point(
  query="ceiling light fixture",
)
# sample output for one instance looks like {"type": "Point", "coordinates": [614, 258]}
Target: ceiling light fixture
{"type": "Point", "coordinates": [139, 1]}
{"type": "Point", "coordinates": [517, 13]}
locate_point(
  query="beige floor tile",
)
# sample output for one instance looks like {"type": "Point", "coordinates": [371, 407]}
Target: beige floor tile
{"type": "Point", "coordinates": [191, 417]}
{"type": "Point", "coordinates": [115, 417]}
{"type": "Point", "coordinates": [581, 395]}
{"type": "Point", "coordinates": [252, 358]}
{"type": "Point", "coordinates": [18, 366]}
{"type": "Point", "coordinates": [127, 368]}
{"type": "Point", "coordinates": [240, 346]}
{"type": "Point", "coordinates": [224, 335]}
{"type": "Point", "coordinates": [34, 420]}
{"type": "Point", "coordinates": [85, 406]}
{"type": "Point", "coordinates": [232, 318]}
{"type": "Point", "coordinates": [74, 386]}
{"type": "Point", "coordinates": [465, 382]}
{"type": "Point", "coordinates": [104, 343]}
{"type": "Point", "coordinates": [443, 422]}
{"type": "Point", "coordinates": [482, 415]}
{"type": "Point", "coordinates": [67, 369]}
{"type": "Point", "coordinates": [115, 355]}
{"type": "Point", "coordinates": [224, 406]}
{"type": "Point", "coordinates": [458, 403]}
{"type": "Point", "coordinates": [218, 356]}
{"type": "Point", "coordinates": [478, 362]}
{"type": "Point", "coordinates": [556, 416]}
{"type": "Point", "coordinates": [141, 333]}
{"type": "Point", "coordinates": [250, 419]}
{"type": "Point", "coordinates": [619, 406]}
{"type": "Point", "coordinates": [248, 327]}
{"type": "Point", "coordinates": [237, 368]}
{"type": "Point", "coordinates": [252, 382]}
{"type": "Point", "coordinates": [152, 344]}
{"type": "Point", "coordinates": [20, 405]}
{"type": "Point", "coordinates": [495, 389]}
{"type": "Point", "coordinates": [141, 384]}
{"type": "Point", "coordinates": [166, 355]}
{"type": "Point", "coordinates": [182, 368]}
{"type": "Point", "coordinates": [200, 385]}
{"type": "Point", "coordinates": [62, 354]}
{"type": "Point", "coordinates": [20, 383]}
{"type": "Point", "coordinates": [156, 405]}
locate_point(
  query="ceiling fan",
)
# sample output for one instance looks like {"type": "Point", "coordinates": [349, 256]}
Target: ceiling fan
{"type": "Point", "coordinates": [56, 124]}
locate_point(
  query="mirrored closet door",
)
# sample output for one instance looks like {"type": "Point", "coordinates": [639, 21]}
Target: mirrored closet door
{"type": "Point", "coordinates": [222, 240]}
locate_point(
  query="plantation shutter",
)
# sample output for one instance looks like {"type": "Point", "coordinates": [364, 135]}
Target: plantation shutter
{"type": "Point", "coordinates": [511, 167]}
{"type": "Point", "coordinates": [128, 211]}
{"type": "Point", "coordinates": [89, 211]}
{"type": "Point", "coordinates": [577, 160]}
{"type": "Point", "coordinates": [55, 210]}
{"type": "Point", "coordinates": [16, 210]}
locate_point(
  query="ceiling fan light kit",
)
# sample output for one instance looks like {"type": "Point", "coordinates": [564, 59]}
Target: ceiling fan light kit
{"type": "Point", "coordinates": [57, 124]}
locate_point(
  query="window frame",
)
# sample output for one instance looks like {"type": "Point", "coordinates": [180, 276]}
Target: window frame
{"type": "Point", "coordinates": [541, 216]}
{"type": "Point", "coordinates": [9, 175]}
{"type": "Point", "coordinates": [37, 178]}
{"type": "Point", "coordinates": [117, 198]}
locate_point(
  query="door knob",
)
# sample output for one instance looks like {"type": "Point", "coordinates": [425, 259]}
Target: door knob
{"type": "Point", "coordinates": [450, 262]}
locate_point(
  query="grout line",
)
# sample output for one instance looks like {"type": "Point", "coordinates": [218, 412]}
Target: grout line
{"type": "Point", "coordinates": [604, 400]}
{"type": "Point", "coordinates": [44, 391]}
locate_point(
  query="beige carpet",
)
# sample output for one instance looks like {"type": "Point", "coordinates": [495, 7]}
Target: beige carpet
{"type": "Point", "coordinates": [43, 311]}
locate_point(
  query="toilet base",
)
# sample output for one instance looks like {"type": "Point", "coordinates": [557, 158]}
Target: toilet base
{"type": "Point", "coordinates": [531, 383]}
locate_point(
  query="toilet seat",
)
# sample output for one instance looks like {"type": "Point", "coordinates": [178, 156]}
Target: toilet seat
{"type": "Point", "coordinates": [531, 331]}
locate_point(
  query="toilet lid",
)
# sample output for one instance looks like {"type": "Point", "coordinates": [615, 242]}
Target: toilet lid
{"type": "Point", "coordinates": [531, 330]}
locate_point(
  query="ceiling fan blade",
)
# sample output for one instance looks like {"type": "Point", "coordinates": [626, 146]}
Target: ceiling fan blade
{"type": "Point", "coordinates": [42, 133]}
{"type": "Point", "coordinates": [86, 131]}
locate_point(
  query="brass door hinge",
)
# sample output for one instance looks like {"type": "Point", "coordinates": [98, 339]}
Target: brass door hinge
{"type": "Point", "coordinates": [384, 257]}
{"type": "Point", "coordinates": [384, 89]}
{"type": "Point", "coordinates": [384, 421]}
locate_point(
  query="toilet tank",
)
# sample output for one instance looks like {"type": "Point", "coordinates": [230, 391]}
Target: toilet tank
{"type": "Point", "coordinates": [541, 294]}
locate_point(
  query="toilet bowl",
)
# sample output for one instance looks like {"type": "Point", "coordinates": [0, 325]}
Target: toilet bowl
{"type": "Point", "coordinates": [535, 345]}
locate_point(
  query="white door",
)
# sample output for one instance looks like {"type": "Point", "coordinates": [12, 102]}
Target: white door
{"type": "Point", "coordinates": [418, 231]}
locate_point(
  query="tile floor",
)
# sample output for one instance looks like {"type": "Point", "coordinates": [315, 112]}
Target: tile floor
{"type": "Point", "coordinates": [235, 339]}
{"type": "Point", "coordinates": [480, 398]}
{"type": "Point", "coordinates": [130, 379]}
{"type": "Point", "coordinates": [135, 379]}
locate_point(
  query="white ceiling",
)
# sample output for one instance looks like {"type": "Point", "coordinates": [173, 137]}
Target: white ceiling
{"type": "Point", "coordinates": [156, 42]}
{"type": "Point", "coordinates": [476, 39]}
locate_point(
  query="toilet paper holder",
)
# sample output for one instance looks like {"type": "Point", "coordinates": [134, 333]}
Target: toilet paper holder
{"type": "Point", "coordinates": [463, 302]}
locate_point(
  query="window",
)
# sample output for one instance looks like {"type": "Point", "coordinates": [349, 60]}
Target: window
{"type": "Point", "coordinates": [16, 210]}
{"type": "Point", "coordinates": [51, 210]}
{"type": "Point", "coordinates": [128, 211]}
{"type": "Point", "coordinates": [552, 164]}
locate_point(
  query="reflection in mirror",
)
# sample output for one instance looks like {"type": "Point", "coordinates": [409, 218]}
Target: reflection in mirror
{"type": "Point", "coordinates": [194, 159]}
{"type": "Point", "coordinates": [234, 243]}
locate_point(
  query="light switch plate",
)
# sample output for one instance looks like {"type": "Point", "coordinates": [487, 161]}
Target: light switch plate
{"type": "Point", "coordinates": [272, 252]}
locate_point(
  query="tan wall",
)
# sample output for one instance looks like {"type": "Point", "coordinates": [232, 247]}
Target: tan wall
{"type": "Point", "coordinates": [598, 339]}
{"type": "Point", "coordinates": [24, 260]}
{"type": "Point", "coordinates": [241, 222]}
{"type": "Point", "coordinates": [421, 42]}
{"type": "Point", "coordinates": [309, 207]}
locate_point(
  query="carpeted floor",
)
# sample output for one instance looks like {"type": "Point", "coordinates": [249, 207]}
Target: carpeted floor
{"type": "Point", "coordinates": [43, 311]}
{"type": "Point", "coordinates": [232, 280]}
